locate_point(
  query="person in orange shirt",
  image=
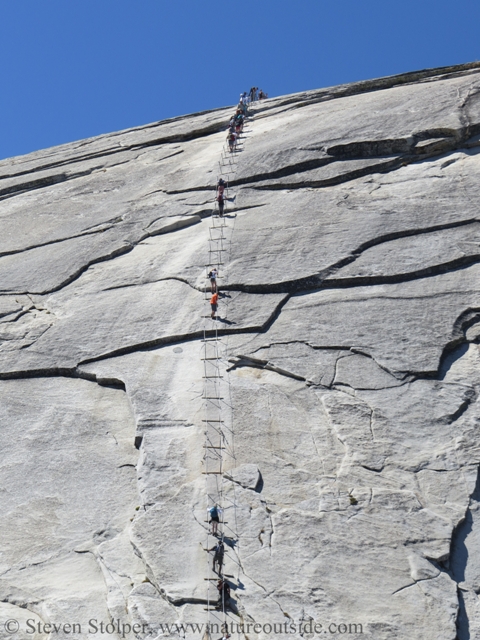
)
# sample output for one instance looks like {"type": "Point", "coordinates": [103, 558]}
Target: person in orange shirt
{"type": "Point", "coordinates": [214, 305]}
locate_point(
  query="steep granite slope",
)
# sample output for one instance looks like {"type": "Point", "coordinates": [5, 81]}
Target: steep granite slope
{"type": "Point", "coordinates": [352, 280]}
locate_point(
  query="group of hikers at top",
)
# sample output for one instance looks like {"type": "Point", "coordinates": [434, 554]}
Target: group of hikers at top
{"type": "Point", "coordinates": [235, 126]}
{"type": "Point", "coordinates": [254, 94]}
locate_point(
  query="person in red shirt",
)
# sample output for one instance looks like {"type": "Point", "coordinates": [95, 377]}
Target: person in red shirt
{"type": "Point", "coordinates": [214, 305]}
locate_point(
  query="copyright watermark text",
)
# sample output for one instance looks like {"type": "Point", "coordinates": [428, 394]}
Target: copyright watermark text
{"type": "Point", "coordinates": [124, 629]}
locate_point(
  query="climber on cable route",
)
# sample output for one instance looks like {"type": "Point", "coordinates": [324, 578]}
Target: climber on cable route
{"type": "Point", "coordinates": [223, 589]}
{"type": "Point", "coordinates": [214, 307]}
{"type": "Point", "coordinates": [214, 511]}
{"type": "Point", "coordinates": [219, 550]}
{"type": "Point", "coordinates": [239, 120]}
{"type": "Point", "coordinates": [232, 140]}
{"type": "Point", "coordinates": [221, 204]}
{"type": "Point", "coordinates": [213, 280]}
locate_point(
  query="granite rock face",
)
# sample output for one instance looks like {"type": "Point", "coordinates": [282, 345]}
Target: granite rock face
{"type": "Point", "coordinates": [348, 345]}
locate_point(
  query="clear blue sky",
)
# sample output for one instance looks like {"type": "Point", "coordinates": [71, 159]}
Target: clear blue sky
{"type": "Point", "coordinates": [77, 68]}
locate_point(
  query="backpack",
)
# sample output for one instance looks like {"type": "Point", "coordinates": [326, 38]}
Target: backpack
{"type": "Point", "coordinates": [213, 512]}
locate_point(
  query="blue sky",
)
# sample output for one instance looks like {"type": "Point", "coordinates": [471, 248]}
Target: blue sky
{"type": "Point", "coordinates": [72, 69]}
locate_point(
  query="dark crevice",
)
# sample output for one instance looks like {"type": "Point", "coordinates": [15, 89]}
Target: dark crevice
{"type": "Point", "coordinates": [17, 315]}
{"type": "Point", "coordinates": [74, 276]}
{"type": "Point", "coordinates": [457, 346]}
{"type": "Point", "coordinates": [360, 151]}
{"type": "Point", "coordinates": [458, 560]}
{"type": "Point", "coordinates": [323, 280]}
{"type": "Point", "coordinates": [64, 372]}
{"type": "Point", "coordinates": [47, 181]}
{"type": "Point", "coordinates": [388, 165]}
{"type": "Point", "coordinates": [141, 284]}
{"type": "Point", "coordinates": [178, 602]}
{"type": "Point", "coordinates": [450, 357]}
{"type": "Point", "coordinates": [120, 251]}
{"type": "Point", "coordinates": [397, 376]}
{"type": "Point", "coordinates": [461, 409]}
{"type": "Point", "coordinates": [443, 140]}
{"type": "Point", "coordinates": [380, 167]}
{"type": "Point", "coordinates": [462, 621]}
{"type": "Point", "coordinates": [256, 363]}
{"type": "Point", "coordinates": [447, 267]}
{"type": "Point", "coordinates": [275, 315]}
{"type": "Point", "coordinates": [374, 470]}
{"type": "Point", "coordinates": [440, 139]}
{"type": "Point", "coordinates": [50, 242]}
{"type": "Point", "coordinates": [370, 148]}
{"type": "Point", "coordinates": [467, 319]}
{"type": "Point", "coordinates": [148, 345]}
{"type": "Point", "coordinates": [300, 167]}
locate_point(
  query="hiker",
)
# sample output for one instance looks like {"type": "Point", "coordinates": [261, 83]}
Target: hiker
{"type": "Point", "coordinates": [219, 550]}
{"type": "Point", "coordinates": [232, 138]}
{"type": "Point", "coordinates": [221, 204]}
{"type": "Point", "coordinates": [213, 280]}
{"type": "Point", "coordinates": [231, 123]}
{"type": "Point", "coordinates": [214, 306]}
{"type": "Point", "coordinates": [239, 118]}
{"type": "Point", "coordinates": [214, 511]}
{"type": "Point", "coordinates": [253, 91]}
{"type": "Point", "coordinates": [221, 184]}
{"type": "Point", "coordinates": [223, 589]}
